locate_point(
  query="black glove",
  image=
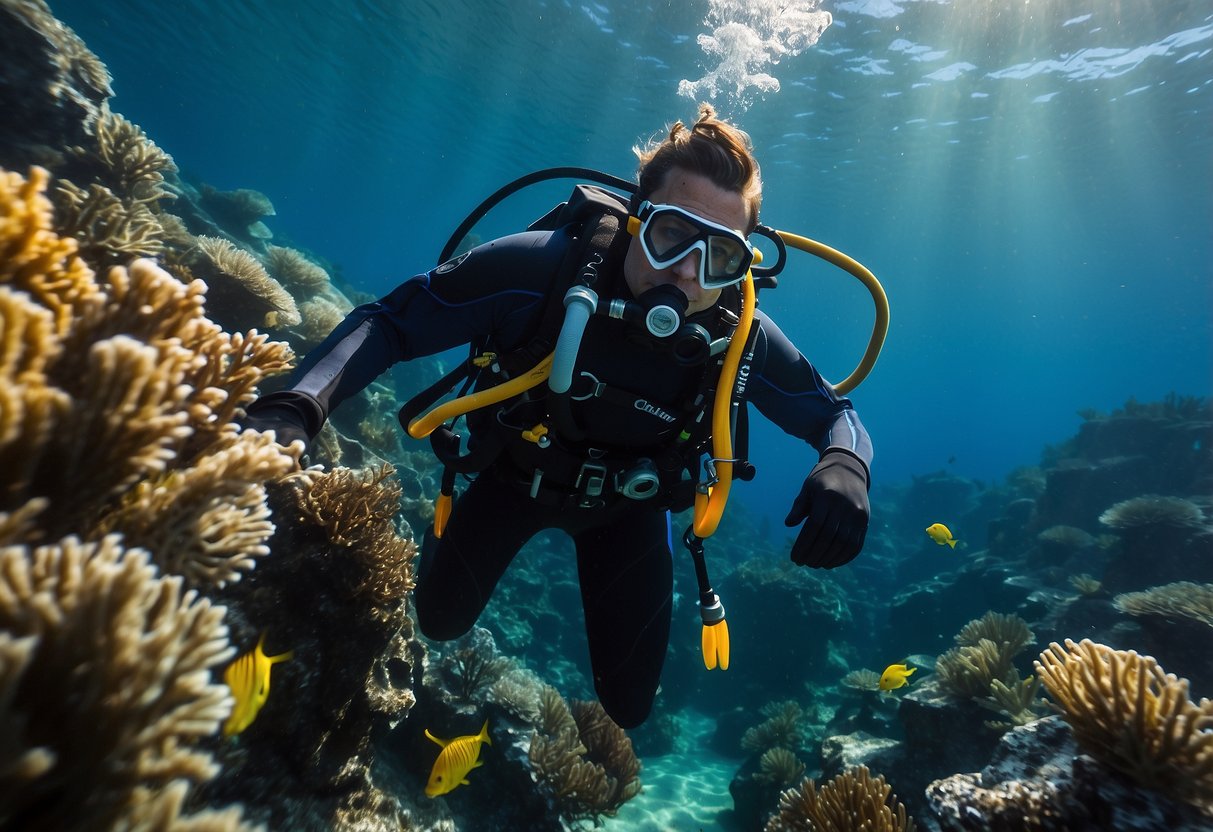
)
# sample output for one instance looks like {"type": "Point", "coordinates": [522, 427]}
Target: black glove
{"type": "Point", "coordinates": [834, 500]}
{"type": "Point", "coordinates": [287, 414]}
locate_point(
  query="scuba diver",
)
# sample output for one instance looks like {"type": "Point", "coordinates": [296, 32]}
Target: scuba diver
{"type": "Point", "coordinates": [639, 314]}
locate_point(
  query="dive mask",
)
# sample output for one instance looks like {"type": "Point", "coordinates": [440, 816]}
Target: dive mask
{"type": "Point", "coordinates": [668, 233]}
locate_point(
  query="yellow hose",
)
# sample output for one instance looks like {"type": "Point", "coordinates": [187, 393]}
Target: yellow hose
{"type": "Point", "coordinates": [710, 507]}
{"type": "Point", "coordinates": [424, 425]}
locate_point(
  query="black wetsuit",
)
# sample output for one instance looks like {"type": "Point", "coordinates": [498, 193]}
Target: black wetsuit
{"type": "Point", "coordinates": [495, 297]}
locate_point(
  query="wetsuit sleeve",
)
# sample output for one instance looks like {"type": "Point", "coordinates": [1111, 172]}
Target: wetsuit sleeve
{"type": "Point", "coordinates": [494, 291]}
{"type": "Point", "coordinates": [789, 391]}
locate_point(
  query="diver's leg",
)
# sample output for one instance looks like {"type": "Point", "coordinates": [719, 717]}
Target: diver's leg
{"type": "Point", "coordinates": [626, 573]}
{"type": "Point", "coordinates": [489, 523]}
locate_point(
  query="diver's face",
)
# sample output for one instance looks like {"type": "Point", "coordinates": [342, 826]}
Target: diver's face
{"type": "Point", "coordinates": [699, 195]}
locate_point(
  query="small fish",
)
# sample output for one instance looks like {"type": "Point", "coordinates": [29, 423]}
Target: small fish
{"type": "Point", "coordinates": [940, 534]}
{"type": "Point", "coordinates": [249, 679]}
{"type": "Point", "coordinates": [455, 760]}
{"type": "Point", "coordinates": [895, 676]}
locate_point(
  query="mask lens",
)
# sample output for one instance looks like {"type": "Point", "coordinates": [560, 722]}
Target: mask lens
{"type": "Point", "coordinates": [670, 233]}
{"type": "Point", "coordinates": [727, 258]}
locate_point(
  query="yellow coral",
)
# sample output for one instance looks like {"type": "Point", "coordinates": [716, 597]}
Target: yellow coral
{"type": "Point", "coordinates": [115, 687]}
{"type": "Point", "coordinates": [36, 260]}
{"type": "Point", "coordinates": [105, 382]}
{"type": "Point", "coordinates": [1126, 711]}
{"type": "Point", "coordinates": [852, 800]}
{"type": "Point", "coordinates": [107, 229]}
{"type": "Point", "coordinates": [208, 522]}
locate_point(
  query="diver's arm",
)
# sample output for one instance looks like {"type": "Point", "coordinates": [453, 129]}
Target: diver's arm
{"type": "Point", "coordinates": [833, 502]}
{"type": "Point", "coordinates": [496, 289]}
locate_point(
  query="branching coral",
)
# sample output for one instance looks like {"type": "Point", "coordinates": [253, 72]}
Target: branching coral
{"type": "Point", "coordinates": [78, 75]}
{"type": "Point", "coordinates": [969, 670]}
{"type": "Point", "coordinates": [519, 691]}
{"type": "Point", "coordinates": [208, 522]}
{"type": "Point", "coordinates": [135, 164]}
{"type": "Point", "coordinates": [1151, 510]}
{"type": "Point", "coordinates": [1009, 631]}
{"type": "Point", "coordinates": [357, 510]}
{"type": "Point", "coordinates": [473, 665]}
{"type": "Point", "coordinates": [582, 759]}
{"type": "Point", "coordinates": [1182, 599]}
{"type": "Point", "coordinates": [852, 800]}
{"type": "Point", "coordinates": [108, 230]}
{"type": "Point", "coordinates": [241, 268]}
{"type": "Point", "coordinates": [110, 685]}
{"type": "Point", "coordinates": [1018, 702]}
{"type": "Point", "coordinates": [779, 766]}
{"type": "Point", "coordinates": [293, 270]}
{"type": "Point", "coordinates": [1086, 584]}
{"type": "Point", "coordinates": [1129, 713]}
{"type": "Point", "coordinates": [107, 381]}
{"type": "Point", "coordinates": [862, 680]}
{"type": "Point", "coordinates": [783, 728]}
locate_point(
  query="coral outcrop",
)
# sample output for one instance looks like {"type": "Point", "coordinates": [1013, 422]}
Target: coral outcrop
{"type": "Point", "coordinates": [107, 688]}
{"type": "Point", "coordinates": [1130, 714]}
{"type": "Point", "coordinates": [852, 800]}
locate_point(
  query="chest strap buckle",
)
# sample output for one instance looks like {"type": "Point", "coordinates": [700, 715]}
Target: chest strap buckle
{"type": "Point", "coordinates": [591, 479]}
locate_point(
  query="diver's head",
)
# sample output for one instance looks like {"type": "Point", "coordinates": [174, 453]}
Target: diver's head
{"type": "Point", "coordinates": [709, 171]}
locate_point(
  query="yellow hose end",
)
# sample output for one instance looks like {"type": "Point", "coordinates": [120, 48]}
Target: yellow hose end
{"type": "Point", "coordinates": [715, 638]}
{"type": "Point", "coordinates": [708, 638]}
{"type": "Point", "coordinates": [442, 513]}
{"type": "Point", "coordinates": [722, 643]}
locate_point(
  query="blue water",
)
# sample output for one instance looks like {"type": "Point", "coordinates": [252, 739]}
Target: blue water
{"type": "Point", "coordinates": [1030, 181]}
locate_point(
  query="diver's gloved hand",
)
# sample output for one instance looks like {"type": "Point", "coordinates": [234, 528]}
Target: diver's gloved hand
{"type": "Point", "coordinates": [287, 414]}
{"type": "Point", "coordinates": [834, 506]}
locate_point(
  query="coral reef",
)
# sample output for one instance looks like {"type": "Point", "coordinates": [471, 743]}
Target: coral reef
{"type": "Point", "coordinates": [582, 759]}
{"type": "Point", "coordinates": [862, 679]}
{"type": "Point", "coordinates": [852, 800]}
{"type": "Point", "coordinates": [1182, 599]}
{"type": "Point", "coordinates": [107, 687]}
{"type": "Point", "coordinates": [357, 510]}
{"type": "Point", "coordinates": [472, 665]}
{"type": "Point", "coordinates": [780, 767]}
{"type": "Point", "coordinates": [1038, 781]}
{"type": "Point", "coordinates": [1152, 510]}
{"type": "Point", "coordinates": [1126, 711]}
{"type": "Point", "coordinates": [784, 727]}
{"type": "Point", "coordinates": [238, 279]}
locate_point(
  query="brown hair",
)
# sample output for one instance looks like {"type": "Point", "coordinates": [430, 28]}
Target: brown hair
{"type": "Point", "coordinates": [711, 147]}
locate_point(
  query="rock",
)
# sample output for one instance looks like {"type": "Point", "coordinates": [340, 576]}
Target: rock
{"type": "Point", "coordinates": [1037, 780]}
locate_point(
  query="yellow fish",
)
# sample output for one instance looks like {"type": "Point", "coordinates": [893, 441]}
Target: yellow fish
{"type": "Point", "coordinates": [455, 760]}
{"type": "Point", "coordinates": [895, 676]}
{"type": "Point", "coordinates": [249, 678]}
{"type": "Point", "coordinates": [940, 534]}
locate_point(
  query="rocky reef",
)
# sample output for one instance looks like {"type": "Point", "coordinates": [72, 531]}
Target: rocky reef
{"type": "Point", "coordinates": [145, 540]}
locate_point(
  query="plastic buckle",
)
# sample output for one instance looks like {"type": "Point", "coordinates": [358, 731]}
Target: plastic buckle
{"type": "Point", "coordinates": [591, 479]}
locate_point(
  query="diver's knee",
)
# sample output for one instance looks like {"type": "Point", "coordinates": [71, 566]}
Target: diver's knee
{"type": "Point", "coordinates": [627, 711]}
{"type": "Point", "coordinates": [436, 621]}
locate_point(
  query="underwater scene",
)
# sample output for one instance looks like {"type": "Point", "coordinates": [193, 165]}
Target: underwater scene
{"type": "Point", "coordinates": [998, 220]}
